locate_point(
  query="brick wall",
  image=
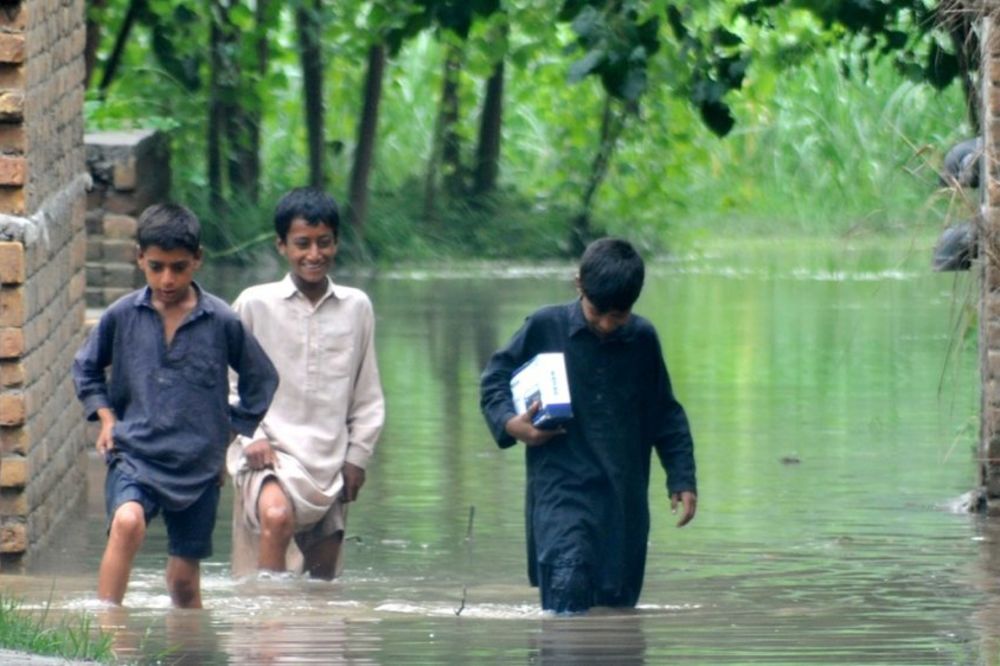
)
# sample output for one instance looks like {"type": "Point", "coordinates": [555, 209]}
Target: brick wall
{"type": "Point", "coordinates": [130, 170]}
{"type": "Point", "coordinates": [43, 185]}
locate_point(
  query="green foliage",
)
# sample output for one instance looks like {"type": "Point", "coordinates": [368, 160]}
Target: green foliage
{"type": "Point", "coordinates": [69, 638]}
{"type": "Point", "coordinates": [814, 141]}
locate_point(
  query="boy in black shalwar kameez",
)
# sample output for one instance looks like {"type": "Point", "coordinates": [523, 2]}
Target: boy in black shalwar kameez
{"type": "Point", "coordinates": [586, 507]}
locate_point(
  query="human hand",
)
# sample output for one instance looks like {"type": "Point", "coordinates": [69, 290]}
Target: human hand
{"type": "Point", "coordinates": [354, 478]}
{"type": "Point", "coordinates": [690, 502]}
{"type": "Point", "coordinates": [260, 454]}
{"type": "Point", "coordinates": [105, 439]}
{"type": "Point", "coordinates": [520, 427]}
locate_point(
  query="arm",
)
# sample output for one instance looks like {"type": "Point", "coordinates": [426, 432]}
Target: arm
{"type": "Point", "coordinates": [256, 380]}
{"type": "Point", "coordinates": [671, 436]}
{"type": "Point", "coordinates": [366, 412]}
{"type": "Point", "coordinates": [89, 367]}
{"type": "Point", "coordinates": [496, 402]}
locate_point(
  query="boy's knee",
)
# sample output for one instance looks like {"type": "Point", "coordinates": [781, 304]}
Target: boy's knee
{"type": "Point", "coordinates": [129, 523]}
{"type": "Point", "coordinates": [277, 520]}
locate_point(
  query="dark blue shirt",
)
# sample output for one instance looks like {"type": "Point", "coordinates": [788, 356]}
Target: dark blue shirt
{"type": "Point", "coordinates": [587, 490]}
{"type": "Point", "coordinates": [171, 403]}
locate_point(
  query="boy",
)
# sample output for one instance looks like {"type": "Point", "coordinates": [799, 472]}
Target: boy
{"type": "Point", "coordinates": [307, 460]}
{"type": "Point", "coordinates": [165, 415]}
{"type": "Point", "coordinates": [587, 514]}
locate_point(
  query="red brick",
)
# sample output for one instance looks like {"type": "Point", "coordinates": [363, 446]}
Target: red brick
{"type": "Point", "coordinates": [12, 137]}
{"type": "Point", "coordinates": [11, 48]}
{"type": "Point", "coordinates": [11, 343]}
{"type": "Point", "coordinates": [13, 536]}
{"type": "Point", "coordinates": [11, 263]}
{"type": "Point", "coordinates": [12, 200]}
{"type": "Point", "coordinates": [11, 170]}
{"type": "Point", "coordinates": [12, 374]}
{"type": "Point", "coordinates": [13, 16]}
{"type": "Point", "coordinates": [12, 306]}
{"type": "Point", "coordinates": [12, 409]}
{"type": "Point", "coordinates": [11, 106]}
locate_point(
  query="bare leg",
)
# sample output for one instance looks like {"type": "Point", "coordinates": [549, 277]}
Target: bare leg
{"type": "Point", "coordinates": [277, 525]}
{"type": "Point", "coordinates": [128, 531]}
{"type": "Point", "coordinates": [184, 582]}
{"type": "Point", "coordinates": [321, 558]}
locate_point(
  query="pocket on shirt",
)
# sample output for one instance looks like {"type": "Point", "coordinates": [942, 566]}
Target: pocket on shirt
{"type": "Point", "coordinates": [201, 371]}
{"type": "Point", "coordinates": [338, 350]}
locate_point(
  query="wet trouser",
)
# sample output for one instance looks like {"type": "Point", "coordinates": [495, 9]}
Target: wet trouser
{"type": "Point", "coordinates": [568, 587]}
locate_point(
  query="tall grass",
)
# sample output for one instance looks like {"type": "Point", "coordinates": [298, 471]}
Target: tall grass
{"type": "Point", "coordinates": [35, 632]}
{"type": "Point", "coordinates": [833, 154]}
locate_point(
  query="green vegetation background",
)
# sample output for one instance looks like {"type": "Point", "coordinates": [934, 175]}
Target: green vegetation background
{"type": "Point", "coordinates": [820, 147]}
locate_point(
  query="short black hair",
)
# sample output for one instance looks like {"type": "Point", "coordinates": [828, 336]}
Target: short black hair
{"type": "Point", "coordinates": [611, 274]}
{"type": "Point", "coordinates": [309, 203]}
{"type": "Point", "coordinates": [169, 226]}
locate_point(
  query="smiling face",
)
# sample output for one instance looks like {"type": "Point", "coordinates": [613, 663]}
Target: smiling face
{"type": "Point", "coordinates": [310, 250]}
{"type": "Point", "coordinates": [169, 273]}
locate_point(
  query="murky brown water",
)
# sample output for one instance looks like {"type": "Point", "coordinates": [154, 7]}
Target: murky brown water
{"type": "Point", "coordinates": [829, 466]}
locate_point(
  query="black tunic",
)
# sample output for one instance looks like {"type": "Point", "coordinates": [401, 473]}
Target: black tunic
{"type": "Point", "coordinates": [586, 496]}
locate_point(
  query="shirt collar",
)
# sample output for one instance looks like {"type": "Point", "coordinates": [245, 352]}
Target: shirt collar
{"type": "Point", "coordinates": [289, 290]}
{"type": "Point", "coordinates": [144, 299]}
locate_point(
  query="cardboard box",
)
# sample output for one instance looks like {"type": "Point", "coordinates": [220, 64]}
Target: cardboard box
{"type": "Point", "coordinates": [543, 379]}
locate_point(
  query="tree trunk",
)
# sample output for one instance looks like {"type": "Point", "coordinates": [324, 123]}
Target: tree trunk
{"type": "Point", "coordinates": [451, 146]}
{"type": "Point", "coordinates": [364, 151]}
{"type": "Point", "coordinates": [111, 66]}
{"type": "Point", "coordinates": [93, 39]}
{"type": "Point", "coordinates": [213, 141]}
{"type": "Point", "coordinates": [490, 130]}
{"type": "Point", "coordinates": [311, 57]}
{"type": "Point", "coordinates": [612, 124]}
{"type": "Point", "coordinates": [445, 145]}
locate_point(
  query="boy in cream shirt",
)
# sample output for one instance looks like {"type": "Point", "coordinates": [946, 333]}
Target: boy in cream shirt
{"type": "Point", "coordinates": [307, 459]}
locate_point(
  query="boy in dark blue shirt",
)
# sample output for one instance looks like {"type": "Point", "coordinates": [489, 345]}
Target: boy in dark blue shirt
{"type": "Point", "coordinates": [164, 412]}
{"type": "Point", "coordinates": [586, 506]}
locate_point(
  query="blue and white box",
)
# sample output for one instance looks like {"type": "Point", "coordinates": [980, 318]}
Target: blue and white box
{"type": "Point", "coordinates": [543, 380]}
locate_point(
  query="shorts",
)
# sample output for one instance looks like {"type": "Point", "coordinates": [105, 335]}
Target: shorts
{"type": "Point", "coordinates": [189, 530]}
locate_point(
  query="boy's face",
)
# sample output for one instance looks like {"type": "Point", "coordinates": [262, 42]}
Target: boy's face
{"type": "Point", "coordinates": [310, 250]}
{"type": "Point", "coordinates": [603, 324]}
{"type": "Point", "coordinates": [169, 272]}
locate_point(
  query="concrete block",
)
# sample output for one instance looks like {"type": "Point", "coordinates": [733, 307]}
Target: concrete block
{"type": "Point", "coordinates": [120, 227]}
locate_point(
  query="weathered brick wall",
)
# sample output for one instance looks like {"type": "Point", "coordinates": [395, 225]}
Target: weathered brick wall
{"type": "Point", "coordinates": [130, 170]}
{"type": "Point", "coordinates": [43, 185]}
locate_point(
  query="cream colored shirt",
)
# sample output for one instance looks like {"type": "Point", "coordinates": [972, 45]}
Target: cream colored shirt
{"type": "Point", "coordinates": [329, 406]}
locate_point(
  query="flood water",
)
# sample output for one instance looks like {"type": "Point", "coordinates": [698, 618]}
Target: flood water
{"type": "Point", "coordinates": [833, 395]}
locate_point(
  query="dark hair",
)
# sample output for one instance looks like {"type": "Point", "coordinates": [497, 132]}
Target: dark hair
{"type": "Point", "coordinates": [311, 204]}
{"type": "Point", "coordinates": [169, 226]}
{"type": "Point", "coordinates": [611, 274]}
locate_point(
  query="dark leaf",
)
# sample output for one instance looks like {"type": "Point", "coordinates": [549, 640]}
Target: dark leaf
{"type": "Point", "coordinates": [676, 22]}
{"type": "Point", "coordinates": [717, 117]}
